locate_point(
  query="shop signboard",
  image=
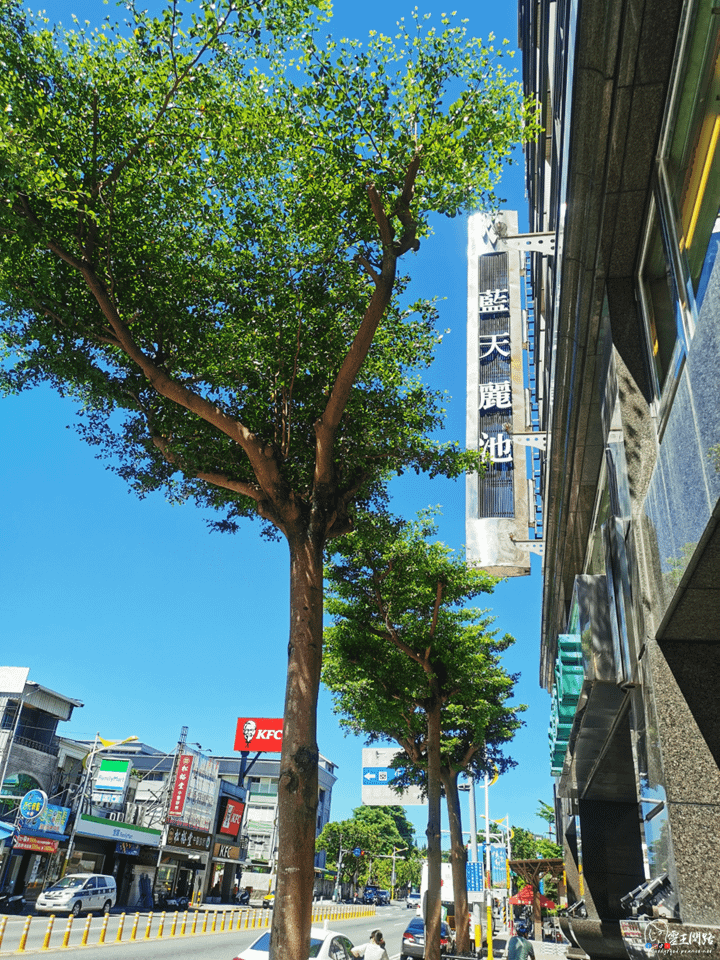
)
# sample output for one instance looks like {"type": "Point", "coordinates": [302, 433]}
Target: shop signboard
{"type": "Point", "coordinates": [52, 822]}
{"type": "Point", "coordinates": [497, 504]}
{"type": "Point", "coordinates": [111, 781]}
{"type": "Point", "coordinates": [88, 826]}
{"type": "Point", "coordinates": [193, 802]}
{"type": "Point", "coordinates": [231, 817]}
{"type": "Point", "coordinates": [33, 804]}
{"type": "Point", "coordinates": [259, 733]}
{"type": "Point", "coordinates": [226, 851]}
{"type": "Point", "coordinates": [35, 844]}
{"type": "Point", "coordinates": [128, 849]}
{"type": "Point", "coordinates": [189, 839]}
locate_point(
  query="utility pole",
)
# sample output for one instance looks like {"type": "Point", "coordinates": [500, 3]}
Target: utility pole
{"type": "Point", "coordinates": [392, 878]}
{"type": "Point", "coordinates": [336, 891]}
{"type": "Point", "coordinates": [87, 776]}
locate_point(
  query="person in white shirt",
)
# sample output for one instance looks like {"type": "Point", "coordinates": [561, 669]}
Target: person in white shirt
{"type": "Point", "coordinates": [374, 949]}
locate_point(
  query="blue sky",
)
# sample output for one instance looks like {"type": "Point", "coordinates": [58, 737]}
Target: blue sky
{"type": "Point", "coordinates": [134, 608]}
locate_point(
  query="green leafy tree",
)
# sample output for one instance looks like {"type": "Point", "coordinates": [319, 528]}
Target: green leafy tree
{"type": "Point", "coordinates": [546, 812]}
{"type": "Point", "coordinates": [350, 835]}
{"type": "Point", "coordinates": [392, 821]}
{"type": "Point", "coordinates": [406, 661]}
{"type": "Point", "coordinates": [525, 845]}
{"type": "Point", "coordinates": [204, 248]}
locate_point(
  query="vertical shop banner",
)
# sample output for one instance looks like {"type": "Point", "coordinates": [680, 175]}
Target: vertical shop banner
{"type": "Point", "coordinates": [496, 500]}
{"type": "Point", "coordinates": [180, 788]}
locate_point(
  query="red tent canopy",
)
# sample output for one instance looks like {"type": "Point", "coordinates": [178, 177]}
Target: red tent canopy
{"type": "Point", "coordinates": [525, 897]}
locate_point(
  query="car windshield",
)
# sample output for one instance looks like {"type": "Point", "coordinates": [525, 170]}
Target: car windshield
{"type": "Point", "coordinates": [68, 883]}
{"type": "Point", "coordinates": [263, 944]}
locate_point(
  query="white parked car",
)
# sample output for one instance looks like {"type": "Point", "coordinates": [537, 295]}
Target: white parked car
{"type": "Point", "coordinates": [324, 945]}
{"type": "Point", "coordinates": [79, 893]}
{"type": "Point", "coordinates": [412, 901]}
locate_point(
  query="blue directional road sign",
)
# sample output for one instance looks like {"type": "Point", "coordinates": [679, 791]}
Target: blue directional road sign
{"type": "Point", "coordinates": [378, 776]}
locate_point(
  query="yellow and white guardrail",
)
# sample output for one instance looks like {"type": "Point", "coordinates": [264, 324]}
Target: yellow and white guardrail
{"type": "Point", "coordinates": [191, 924]}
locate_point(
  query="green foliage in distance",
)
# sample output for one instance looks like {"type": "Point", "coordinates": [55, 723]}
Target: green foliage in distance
{"type": "Point", "coordinates": [525, 845]}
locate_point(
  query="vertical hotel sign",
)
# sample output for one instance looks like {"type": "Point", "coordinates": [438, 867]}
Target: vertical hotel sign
{"type": "Point", "coordinates": [182, 781]}
{"type": "Point", "coordinates": [496, 501]}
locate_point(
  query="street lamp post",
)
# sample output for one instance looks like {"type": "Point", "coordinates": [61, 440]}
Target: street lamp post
{"type": "Point", "coordinates": [477, 913]}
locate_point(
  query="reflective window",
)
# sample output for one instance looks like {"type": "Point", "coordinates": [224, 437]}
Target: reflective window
{"type": "Point", "coordinates": [663, 313]}
{"type": "Point", "coordinates": [692, 158]}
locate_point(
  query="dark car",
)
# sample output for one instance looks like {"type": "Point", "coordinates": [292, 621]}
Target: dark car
{"type": "Point", "coordinates": [382, 898]}
{"type": "Point", "coordinates": [370, 894]}
{"type": "Point", "coordinates": [413, 941]}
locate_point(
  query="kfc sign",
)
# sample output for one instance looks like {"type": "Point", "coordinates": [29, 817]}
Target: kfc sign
{"type": "Point", "coordinates": [232, 817]}
{"type": "Point", "coordinates": [254, 733]}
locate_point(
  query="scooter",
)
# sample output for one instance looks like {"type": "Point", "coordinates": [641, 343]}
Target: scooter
{"type": "Point", "coordinates": [12, 903]}
{"type": "Point", "coordinates": [173, 903]}
{"type": "Point", "coordinates": [243, 899]}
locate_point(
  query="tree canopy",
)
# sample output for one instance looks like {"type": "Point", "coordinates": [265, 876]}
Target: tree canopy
{"type": "Point", "coordinates": [205, 217]}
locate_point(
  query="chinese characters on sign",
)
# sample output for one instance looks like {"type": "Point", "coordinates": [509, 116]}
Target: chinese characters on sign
{"type": "Point", "coordinates": [182, 779]}
{"type": "Point", "coordinates": [494, 301]}
{"type": "Point", "coordinates": [495, 395]}
{"type": "Point", "coordinates": [191, 839]}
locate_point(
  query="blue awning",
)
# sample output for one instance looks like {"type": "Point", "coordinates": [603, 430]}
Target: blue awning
{"type": "Point", "coordinates": [6, 830]}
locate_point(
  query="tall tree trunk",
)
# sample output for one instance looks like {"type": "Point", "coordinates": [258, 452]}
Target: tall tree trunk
{"type": "Point", "coordinates": [434, 851]}
{"type": "Point", "coordinates": [458, 857]}
{"type": "Point", "coordinates": [298, 783]}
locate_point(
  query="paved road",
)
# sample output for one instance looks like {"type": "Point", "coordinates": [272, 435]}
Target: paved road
{"type": "Point", "coordinates": [221, 945]}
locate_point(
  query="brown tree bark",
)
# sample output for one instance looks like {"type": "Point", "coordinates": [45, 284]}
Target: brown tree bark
{"type": "Point", "coordinates": [298, 783]}
{"type": "Point", "coordinates": [458, 856]}
{"type": "Point", "coordinates": [432, 906]}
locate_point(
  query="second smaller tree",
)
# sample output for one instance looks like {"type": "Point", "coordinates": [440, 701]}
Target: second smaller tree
{"type": "Point", "coordinates": [407, 661]}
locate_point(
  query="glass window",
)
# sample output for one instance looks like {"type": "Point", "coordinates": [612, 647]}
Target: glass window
{"type": "Point", "coordinates": [662, 306]}
{"type": "Point", "coordinates": [692, 157]}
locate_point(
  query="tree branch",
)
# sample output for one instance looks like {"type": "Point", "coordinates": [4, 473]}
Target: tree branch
{"type": "Point", "coordinates": [209, 476]}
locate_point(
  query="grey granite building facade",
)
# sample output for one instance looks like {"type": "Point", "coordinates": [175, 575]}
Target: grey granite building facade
{"type": "Point", "coordinates": [627, 177]}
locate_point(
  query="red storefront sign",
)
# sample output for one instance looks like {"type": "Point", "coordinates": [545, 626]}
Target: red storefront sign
{"type": "Point", "coordinates": [182, 779]}
{"type": "Point", "coordinates": [259, 733]}
{"type": "Point", "coordinates": [35, 844]}
{"type": "Point", "coordinates": [232, 817]}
